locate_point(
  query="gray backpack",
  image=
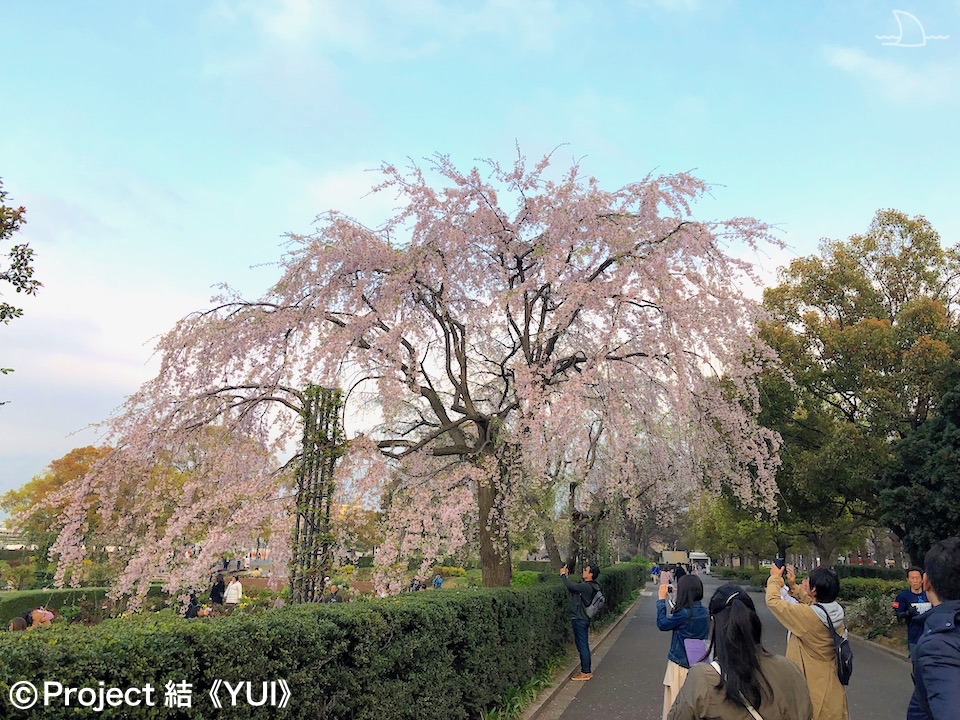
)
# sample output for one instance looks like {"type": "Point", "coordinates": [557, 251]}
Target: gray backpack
{"type": "Point", "coordinates": [597, 604]}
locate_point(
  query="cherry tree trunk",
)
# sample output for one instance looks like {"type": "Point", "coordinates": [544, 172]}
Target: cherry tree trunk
{"type": "Point", "coordinates": [578, 522]}
{"type": "Point", "coordinates": [553, 549]}
{"type": "Point", "coordinates": [494, 535]}
{"type": "Point", "coordinates": [826, 545]}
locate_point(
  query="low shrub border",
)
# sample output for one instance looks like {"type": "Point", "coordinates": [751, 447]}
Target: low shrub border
{"type": "Point", "coordinates": [446, 654]}
{"type": "Point", "coordinates": [743, 576]}
{"type": "Point", "coordinates": [19, 601]}
{"type": "Point", "coordinates": [870, 571]}
{"type": "Point", "coordinates": [852, 589]}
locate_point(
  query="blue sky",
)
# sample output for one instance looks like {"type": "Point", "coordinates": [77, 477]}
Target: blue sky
{"type": "Point", "coordinates": [161, 148]}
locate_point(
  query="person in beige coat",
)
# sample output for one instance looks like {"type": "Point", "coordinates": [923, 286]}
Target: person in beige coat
{"type": "Point", "coordinates": [809, 640]}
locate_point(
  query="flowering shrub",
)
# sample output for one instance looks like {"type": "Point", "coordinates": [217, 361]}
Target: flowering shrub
{"type": "Point", "coordinates": [449, 571]}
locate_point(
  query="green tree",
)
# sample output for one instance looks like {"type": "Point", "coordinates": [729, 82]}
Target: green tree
{"type": "Point", "coordinates": [867, 331]}
{"type": "Point", "coordinates": [920, 494]}
{"type": "Point", "coordinates": [722, 526]}
{"type": "Point", "coordinates": [18, 270]}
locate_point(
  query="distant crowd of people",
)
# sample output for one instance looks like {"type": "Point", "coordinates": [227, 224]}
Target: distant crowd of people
{"type": "Point", "coordinates": [676, 571]}
{"type": "Point", "coordinates": [416, 584]}
{"type": "Point", "coordinates": [717, 668]}
{"type": "Point", "coordinates": [226, 594]}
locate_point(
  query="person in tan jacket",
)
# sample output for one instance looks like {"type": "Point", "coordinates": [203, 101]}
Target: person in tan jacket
{"type": "Point", "coordinates": [809, 640]}
{"type": "Point", "coordinates": [745, 681]}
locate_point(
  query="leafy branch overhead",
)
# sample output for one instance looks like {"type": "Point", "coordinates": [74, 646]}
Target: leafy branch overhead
{"type": "Point", "coordinates": [19, 269]}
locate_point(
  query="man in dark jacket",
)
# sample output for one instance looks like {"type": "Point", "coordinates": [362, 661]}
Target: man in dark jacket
{"type": "Point", "coordinates": [334, 595]}
{"type": "Point", "coordinates": [581, 595]}
{"type": "Point", "coordinates": [910, 605]}
{"type": "Point", "coordinates": [936, 658]}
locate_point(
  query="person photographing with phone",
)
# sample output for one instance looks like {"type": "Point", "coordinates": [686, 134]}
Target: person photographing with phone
{"type": "Point", "coordinates": [581, 596]}
{"type": "Point", "coordinates": [689, 622]}
{"type": "Point", "coordinates": [810, 640]}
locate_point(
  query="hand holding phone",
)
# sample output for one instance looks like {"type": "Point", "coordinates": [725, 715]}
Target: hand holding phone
{"type": "Point", "coordinates": [778, 562]}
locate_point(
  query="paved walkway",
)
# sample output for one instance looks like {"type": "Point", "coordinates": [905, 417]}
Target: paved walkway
{"type": "Point", "coordinates": [629, 666]}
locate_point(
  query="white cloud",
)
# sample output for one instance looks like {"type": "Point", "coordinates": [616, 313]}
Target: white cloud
{"type": "Point", "coordinates": [389, 31]}
{"type": "Point", "coordinates": [896, 79]}
{"type": "Point", "coordinates": [672, 5]}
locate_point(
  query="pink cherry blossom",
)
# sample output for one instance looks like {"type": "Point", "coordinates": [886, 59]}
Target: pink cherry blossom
{"type": "Point", "coordinates": [504, 332]}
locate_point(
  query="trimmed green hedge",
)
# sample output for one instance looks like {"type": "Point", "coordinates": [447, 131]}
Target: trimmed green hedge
{"type": "Point", "coordinates": [870, 571]}
{"type": "Point", "coordinates": [423, 656]}
{"type": "Point", "coordinates": [17, 556]}
{"type": "Point", "coordinates": [851, 588]}
{"type": "Point", "coordinates": [743, 576]}
{"type": "Point", "coordinates": [856, 588]}
{"type": "Point", "coordinates": [19, 601]}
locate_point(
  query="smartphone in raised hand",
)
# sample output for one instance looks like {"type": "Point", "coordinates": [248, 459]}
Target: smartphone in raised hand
{"type": "Point", "coordinates": [778, 562]}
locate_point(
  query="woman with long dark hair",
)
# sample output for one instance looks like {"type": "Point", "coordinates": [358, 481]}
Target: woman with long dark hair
{"type": "Point", "coordinates": [744, 681]}
{"type": "Point", "coordinates": [689, 621]}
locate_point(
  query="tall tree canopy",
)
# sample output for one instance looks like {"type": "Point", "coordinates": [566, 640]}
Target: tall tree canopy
{"type": "Point", "coordinates": [483, 334]}
{"type": "Point", "coordinates": [920, 494]}
{"type": "Point", "coordinates": [868, 331]}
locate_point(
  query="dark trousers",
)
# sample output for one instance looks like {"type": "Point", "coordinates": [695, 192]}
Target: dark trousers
{"type": "Point", "coordinates": [582, 639]}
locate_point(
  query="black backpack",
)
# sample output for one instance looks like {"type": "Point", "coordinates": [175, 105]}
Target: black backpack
{"type": "Point", "coordinates": [844, 651]}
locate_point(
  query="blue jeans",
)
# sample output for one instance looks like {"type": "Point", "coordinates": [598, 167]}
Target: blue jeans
{"type": "Point", "coordinates": [582, 640]}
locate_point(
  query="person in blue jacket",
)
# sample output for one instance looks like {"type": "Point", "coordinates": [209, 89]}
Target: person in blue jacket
{"type": "Point", "coordinates": [936, 658]}
{"type": "Point", "coordinates": [689, 621]}
{"type": "Point", "coordinates": [910, 605]}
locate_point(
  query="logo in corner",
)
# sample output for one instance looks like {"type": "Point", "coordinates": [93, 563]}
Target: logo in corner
{"type": "Point", "coordinates": [913, 28]}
